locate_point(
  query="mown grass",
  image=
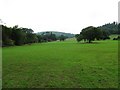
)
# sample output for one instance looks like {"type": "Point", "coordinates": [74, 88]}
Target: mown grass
{"type": "Point", "coordinates": [65, 64]}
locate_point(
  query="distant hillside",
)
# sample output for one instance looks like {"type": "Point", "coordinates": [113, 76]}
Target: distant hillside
{"type": "Point", "coordinates": [111, 28]}
{"type": "Point", "coordinates": [69, 35]}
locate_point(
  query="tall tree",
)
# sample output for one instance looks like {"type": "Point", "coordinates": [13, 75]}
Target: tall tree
{"type": "Point", "coordinates": [91, 33]}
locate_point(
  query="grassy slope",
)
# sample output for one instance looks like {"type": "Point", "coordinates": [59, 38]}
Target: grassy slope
{"type": "Point", "coordinates": [61, 64]}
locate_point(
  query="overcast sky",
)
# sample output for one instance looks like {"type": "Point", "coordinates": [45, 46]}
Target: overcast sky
{"type": "Point", "coordinates": [58, 15]}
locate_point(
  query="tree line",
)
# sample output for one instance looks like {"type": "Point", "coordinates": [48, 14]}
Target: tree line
{"type": "Point", "coordinates": [58, 33]}
{"type": "Point", "coordinates": [91, 33]}
{"type": "Point", "coordinates": [20, 36]}
{"type": "Point", "coordinates": [111, 28]}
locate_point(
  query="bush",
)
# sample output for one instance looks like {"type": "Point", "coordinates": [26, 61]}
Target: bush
{"type": "Point", "coordinates": [118, 38]}
{"type": "Point", "coordinates": [114, 38]}
{"type": "Point", "coordinates": [105, 37]}
{"type": "Point", "coordinates": [8, 42]}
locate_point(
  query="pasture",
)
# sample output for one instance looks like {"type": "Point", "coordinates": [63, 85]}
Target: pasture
{"type": "Point", "coordinates": [66, 64]}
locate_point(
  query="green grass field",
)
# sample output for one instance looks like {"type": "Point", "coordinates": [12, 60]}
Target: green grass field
{"type": "Point", "coordinates": [65, 64]}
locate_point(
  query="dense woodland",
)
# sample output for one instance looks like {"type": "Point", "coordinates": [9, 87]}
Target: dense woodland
{"type": "Point", "coordinates": [20, 36]}
{"type": "Point", "coordinates": [111, 28]}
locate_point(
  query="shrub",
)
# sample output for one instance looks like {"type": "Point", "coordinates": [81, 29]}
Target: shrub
{"type": "Point", "coordinates": [118, 38]}
{"type": "Point", "coordinates": [8, 42]}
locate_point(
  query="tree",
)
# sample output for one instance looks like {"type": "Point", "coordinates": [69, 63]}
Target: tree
{"type": "Point", "coordinates": [53, 37]}
{"type": "Point", "coordinates": [6, 36]}
{"type": "Point", "coordinates": [90, 33]}
{"type": "Point", "coordinates": [34, 38]}
{"type": "Point", "coordinates": [111, 28]}
{"type": "Point", "coordinates": [62, 38]}
{"type": "Point", "coordinates": [18, 36]}
{"type": "Point", "coordinates": [48, 37]}
{"type": "Point", "coordinates": [39, 38]}
{"type": "Point", "coordinates": [105, 35]}
{"type": "Point", "coordinates": [79, 37]}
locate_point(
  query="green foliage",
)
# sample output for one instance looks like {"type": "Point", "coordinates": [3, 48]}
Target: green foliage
{"type": "Point", "coordinates": [79, 37]}
{"type": "Point", "coordinates": [39, 38]}
{"type": "Point", "coordinates": [31, 38]}
{"type": "Point", "coordinates": [58, 34]}
{"type": "Point", "coordinates": [118, 38]}
{"type": "Point", "coordinates": [111, 28]}
{"type": "Point", "coordinates": [92, 33]}
{"type": "Point", "coordinates": [105, 35]}
{"type": "Point", "coordinates": [62, 38]}
{"type": "Point", "coordinates": [21, 36]}
{"type": "Point", "coordinates": [17, 36]}
{"type": "Point", "coordinates": [8, 42]}
{"type": "Point", "coordinates": [48, 37]}
{"type": "Point", "coordinates": [6, 36]}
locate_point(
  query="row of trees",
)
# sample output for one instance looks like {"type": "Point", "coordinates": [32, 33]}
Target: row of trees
{"type": "Point", "coordinates": [91, 33]}
{"type": "Point", "coordinates": [111, 28]}
{"type": "Point", "coordinates": [17, 36]}
{"type": "Point", "coordinates": [20, 36]}
{"type": "Point", "coordinates": [49, 36]}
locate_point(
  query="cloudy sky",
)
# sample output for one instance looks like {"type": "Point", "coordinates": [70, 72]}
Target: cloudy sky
{"type": "Point", "coordinates": [58, 15]}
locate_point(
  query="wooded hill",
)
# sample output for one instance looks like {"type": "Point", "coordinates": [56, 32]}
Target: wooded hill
{"type": "Point", "coordinates": [111, 28]}
{"type": "Point", "coordinates": [58, 34]}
